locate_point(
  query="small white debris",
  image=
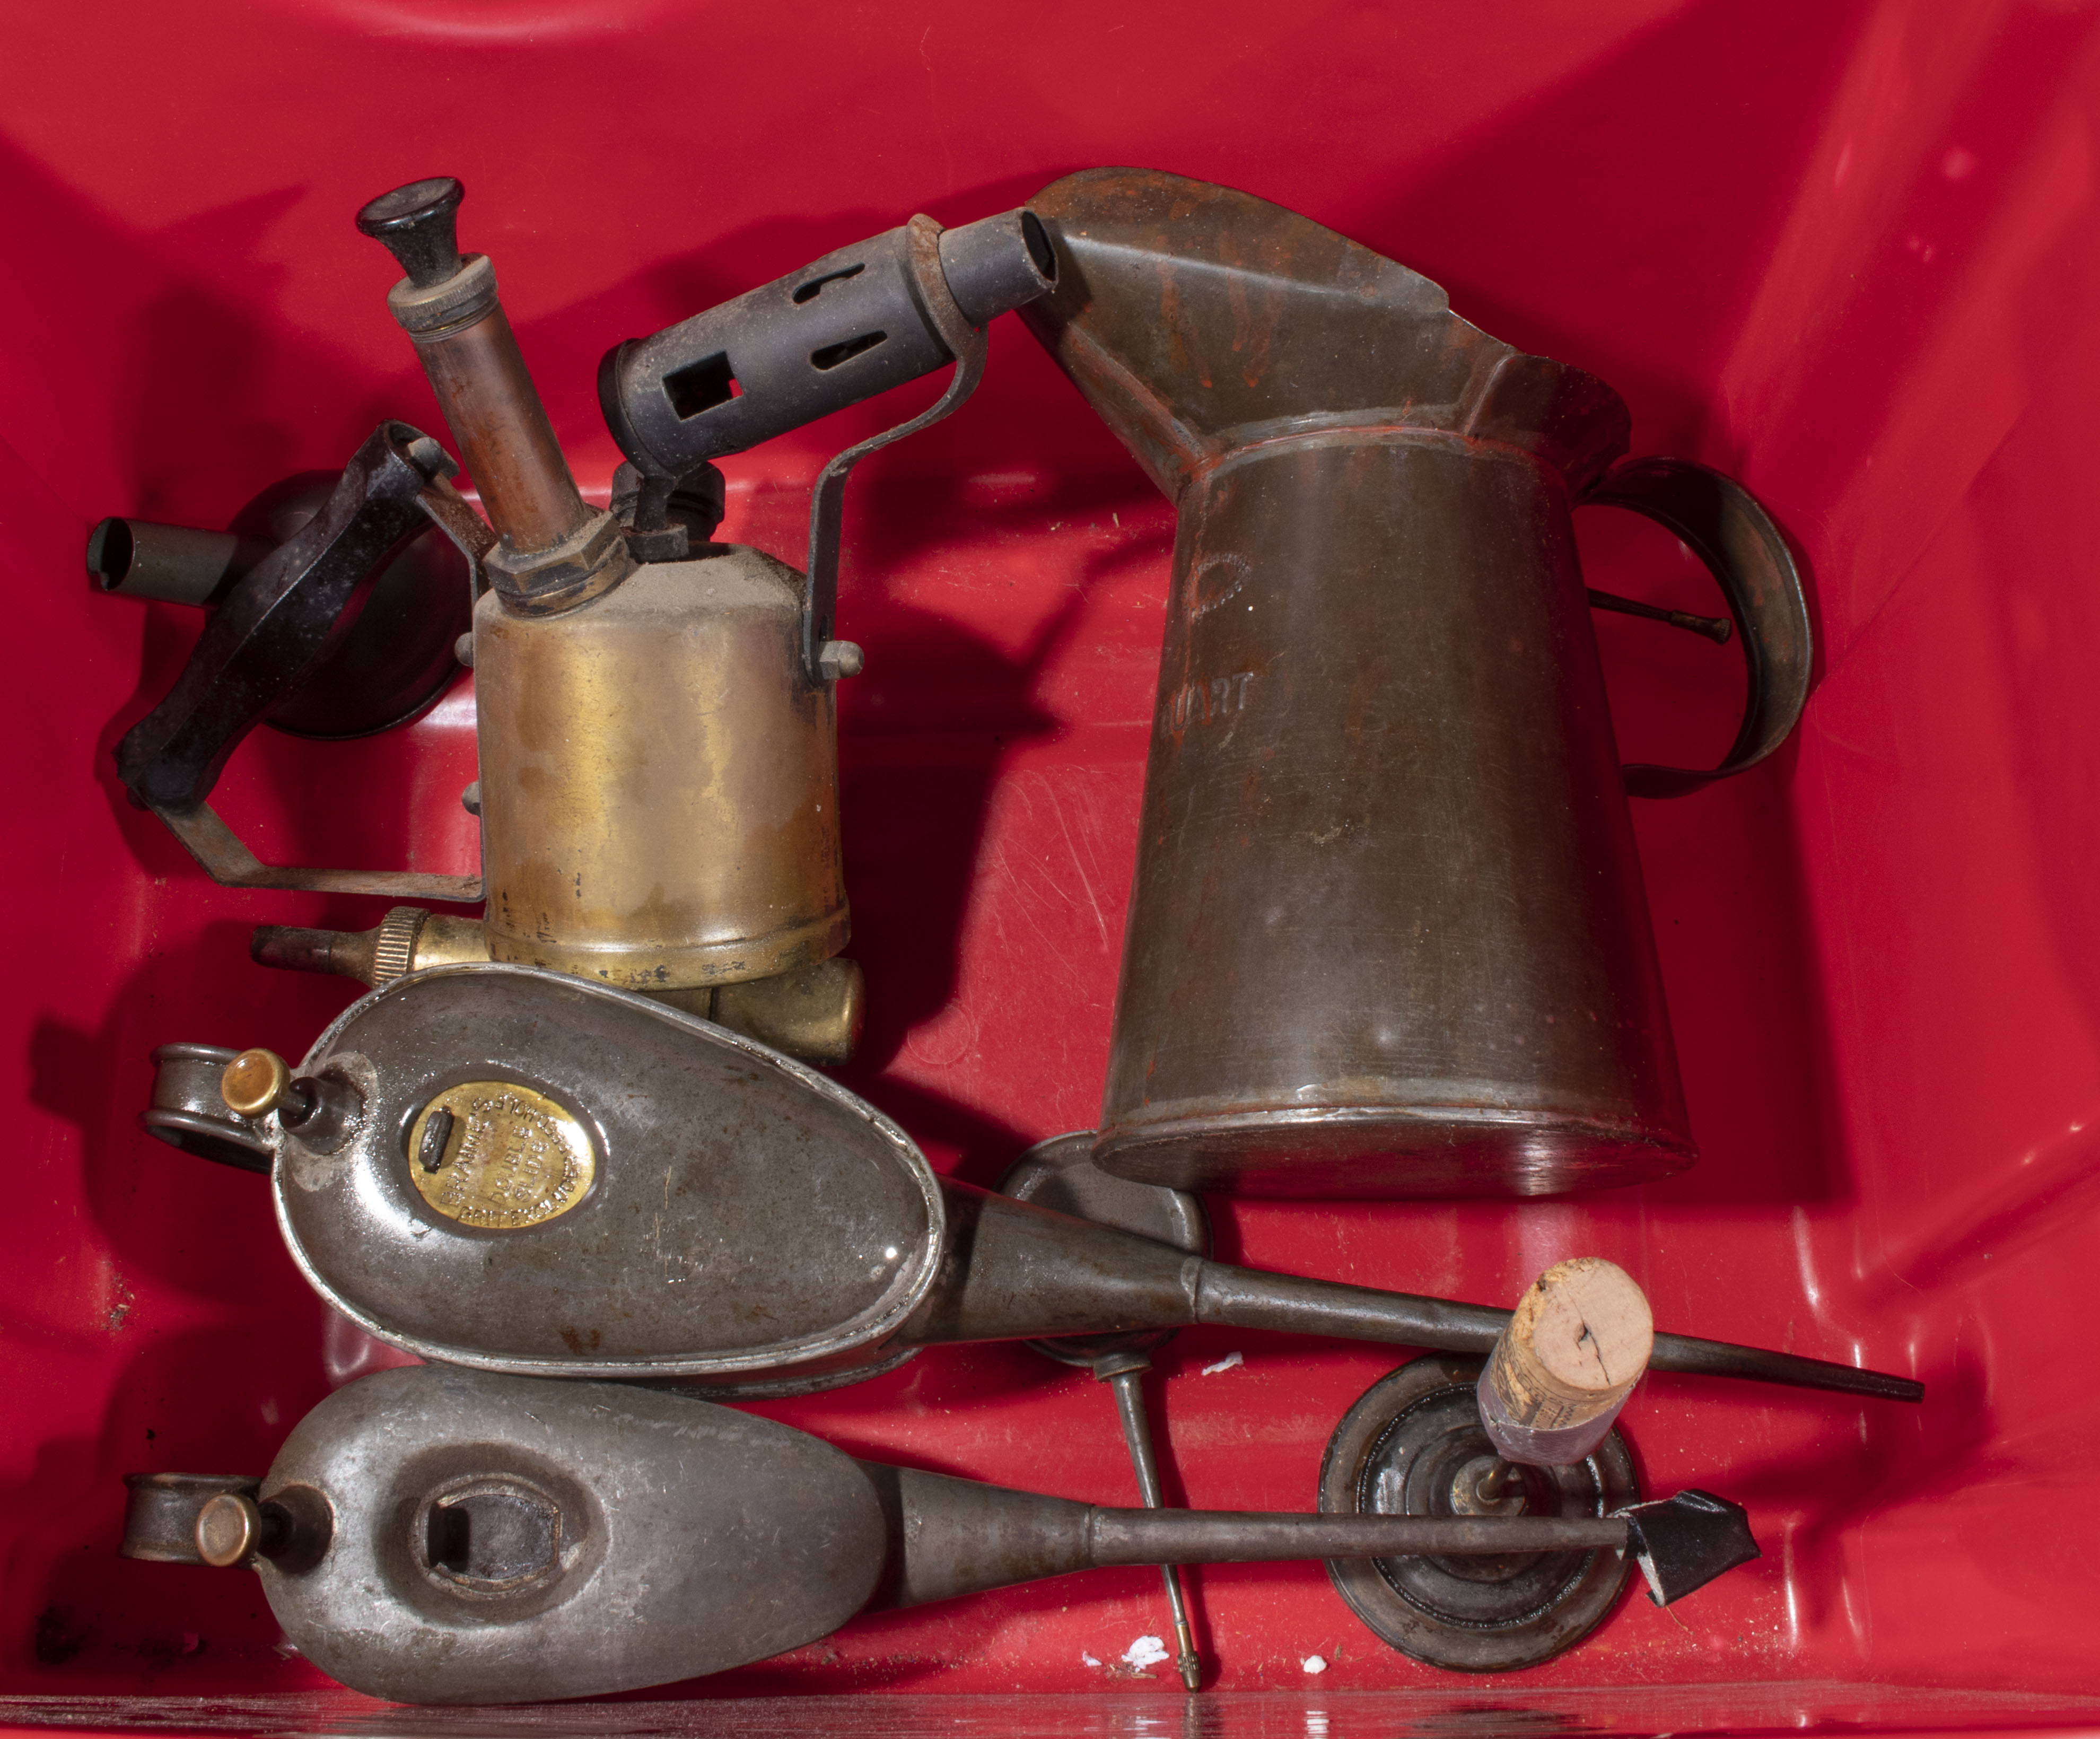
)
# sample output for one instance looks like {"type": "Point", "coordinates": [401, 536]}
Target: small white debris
{"type": "Point", "coordinates": [1088, 1659]}
{"type": "Point", "coordinates": [1229, 1362]}
{"type": "Point", "coordinates": [1147, 1651]}
{"type": "Point", "coordinates": [1313, 1663]}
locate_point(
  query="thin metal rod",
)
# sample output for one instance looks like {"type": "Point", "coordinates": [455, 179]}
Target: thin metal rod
{"type": "Point", "coordinates": [1716, 628]}
{"type": "Point", "coordinates": [1236, 1537]}
{"type": "Point", "coordinates": [1127, 1385]}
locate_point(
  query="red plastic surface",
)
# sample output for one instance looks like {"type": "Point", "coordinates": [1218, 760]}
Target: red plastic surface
{"type": "Point", "coordinates": [1848, 253]}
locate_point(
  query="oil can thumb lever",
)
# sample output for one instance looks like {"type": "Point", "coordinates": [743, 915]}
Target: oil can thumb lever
{"type": "Point", "coordinates": [220, 1520]}
{"type": "Point", "coordinates": [321, 1109]}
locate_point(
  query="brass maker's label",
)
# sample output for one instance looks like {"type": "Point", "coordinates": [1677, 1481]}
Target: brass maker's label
{"type": "Point", "coordinates": [494, 1153]}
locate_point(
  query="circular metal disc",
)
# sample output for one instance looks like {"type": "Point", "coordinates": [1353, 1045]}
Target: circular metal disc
{"type": "Point", "coordinates": [1397, 1452]}
{"type": "Point", "coordinates": [1060, 1174]}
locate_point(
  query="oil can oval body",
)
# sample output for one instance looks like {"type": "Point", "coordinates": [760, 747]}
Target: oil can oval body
{"type": "Point", "coordinates": [496, 1539]}
{"type": "Point", "coordinates": [637, 1193]}
{"type": "Point", "coordinates": [659, 783]}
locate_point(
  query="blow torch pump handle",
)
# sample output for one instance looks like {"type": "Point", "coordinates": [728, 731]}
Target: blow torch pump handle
{"type": "Point", "coordinates": [419, 225]}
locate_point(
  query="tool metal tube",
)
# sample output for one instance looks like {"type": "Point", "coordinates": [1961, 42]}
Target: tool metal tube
{"type": "Point", "coordinates": [174, 563]}
{"type": "Point", "coordinates": [556, 551]}
{"type": "Point", "coordinates": [495, 413]}
{"type": "Point", "coordinates": [1125, 1536]}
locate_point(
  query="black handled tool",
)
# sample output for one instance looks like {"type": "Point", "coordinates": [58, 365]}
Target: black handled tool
{"type": "Point", "coordinates": [272, 628]}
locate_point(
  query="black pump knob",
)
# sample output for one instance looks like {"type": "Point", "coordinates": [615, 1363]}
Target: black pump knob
{"type": "Point", "coordinates": [417, 224]}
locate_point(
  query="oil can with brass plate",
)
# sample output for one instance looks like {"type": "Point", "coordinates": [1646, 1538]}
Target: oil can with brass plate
{"type": "Point", "coordinates": [746, 1223]}
{"type": "Point", "coordinates": [551, 1177]}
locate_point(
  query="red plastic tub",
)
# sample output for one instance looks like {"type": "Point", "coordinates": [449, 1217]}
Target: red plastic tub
{"type": "Point", "coordinates": [1847, 253]}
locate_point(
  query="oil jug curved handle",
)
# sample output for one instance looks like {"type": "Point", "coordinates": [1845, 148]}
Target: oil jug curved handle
{"type": "Point", "coordinates": [1721, 523]}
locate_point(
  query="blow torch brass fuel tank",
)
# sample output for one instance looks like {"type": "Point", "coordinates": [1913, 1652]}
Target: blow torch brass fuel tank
{"type": "Point", "coordinates": [660, 785]}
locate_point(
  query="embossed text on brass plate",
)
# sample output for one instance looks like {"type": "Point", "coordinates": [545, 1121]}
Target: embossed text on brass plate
{"type": "Point", "coordinates": [511, 1157]}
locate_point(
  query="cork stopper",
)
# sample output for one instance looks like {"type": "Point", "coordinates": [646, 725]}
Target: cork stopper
{"type": "Point", "coordinates": [1578, 1341]}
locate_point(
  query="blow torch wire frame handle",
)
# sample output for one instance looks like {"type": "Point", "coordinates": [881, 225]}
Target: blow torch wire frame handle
{"type": "Point", "coordinates": [825, 659]}
{"type": "Point", "coordinates": [846, 327]}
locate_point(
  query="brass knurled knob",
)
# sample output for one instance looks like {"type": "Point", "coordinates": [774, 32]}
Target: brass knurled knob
{"type": "Point", "coordinates": [255, 1084]}
{"type": "Point", "coordinates": [393, 945]}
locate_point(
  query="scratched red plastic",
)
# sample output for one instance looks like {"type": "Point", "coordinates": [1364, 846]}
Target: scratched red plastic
{"type": "Point", "coordinates": [1847, 253]}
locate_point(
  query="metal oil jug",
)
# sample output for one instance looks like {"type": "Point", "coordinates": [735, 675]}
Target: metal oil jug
{"type": "Point", "coordinates": [1388, 935]}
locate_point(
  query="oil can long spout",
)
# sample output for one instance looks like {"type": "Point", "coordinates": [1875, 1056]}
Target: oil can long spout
{"type": "Point", "coordinates": [1014, 1271]}
{"type": "Point", "coordinates": [951, 1537]}
{"type": "Point", "coordinates": [1240, 1297]}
